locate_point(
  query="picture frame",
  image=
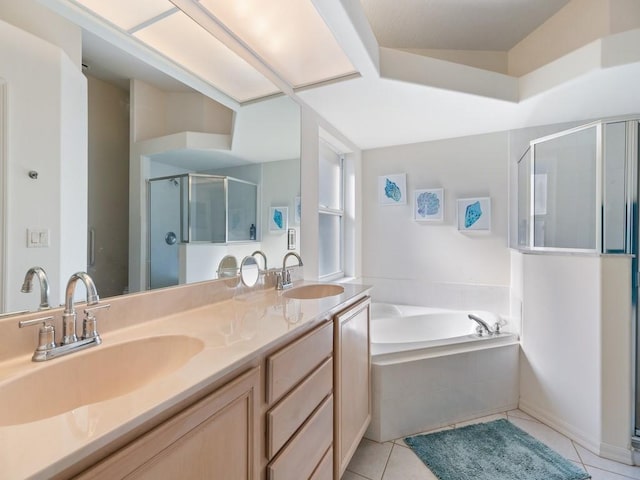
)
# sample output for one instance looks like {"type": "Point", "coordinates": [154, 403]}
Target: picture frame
{"type": "Point", "coordinates": [474, 214]}
{"type": "Point", "coordinates": [392, 189]}
{"type": "Point", "coordinates": [278, 219]}
{"type": "Point", "coordinates": [428, 205]}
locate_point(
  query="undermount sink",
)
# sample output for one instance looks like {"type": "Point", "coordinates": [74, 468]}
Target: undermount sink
{"type": "Point", "coordinates": [92, 376]}
{"type": "Point", "coordinates": [317, 290]}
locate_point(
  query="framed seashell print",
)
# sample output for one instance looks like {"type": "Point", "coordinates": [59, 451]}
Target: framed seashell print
{"type": "Point", "coordinates": [428, 205]}
{"type": "Point", "coordinates": [474, 214]}
{"type": "Point", "coordinates": [392, 189]}
{"type": "Point", "coordinates": [278, 219]}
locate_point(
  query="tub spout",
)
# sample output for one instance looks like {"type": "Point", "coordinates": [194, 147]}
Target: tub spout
{"type": "Point", "coordinates": [484, 326]}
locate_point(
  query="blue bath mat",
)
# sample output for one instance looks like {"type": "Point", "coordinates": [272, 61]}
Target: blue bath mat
{"type": "Point", "coordinates": [495, 450]}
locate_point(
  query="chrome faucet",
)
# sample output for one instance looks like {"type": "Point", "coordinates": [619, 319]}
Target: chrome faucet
{"type": "Point", "coordinates": [27, 285]}
{"type": "Point", "coordinates": [69, 316]}
{"type": "Point", "coordinates": [283, 280]}
{"type": "Point", "coordinates": [47, 347]}
{"type": "Point", "coordinates": [264, 257]}
{"type": "Point", "coordinates": [484, 326]}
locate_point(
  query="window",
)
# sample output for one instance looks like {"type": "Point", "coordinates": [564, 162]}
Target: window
{"type": "Point", "coordinates": [331, 212]}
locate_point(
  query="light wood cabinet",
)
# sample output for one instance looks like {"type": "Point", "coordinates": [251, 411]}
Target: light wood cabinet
{"type": "Point", "coordinates": [352, 382]}
{"type": "Point", "coordinates": [217, 437]}
{"type": "Point", "coordinates": [300, 425]}
{"type": "Point", "coordinates": [304, 422]}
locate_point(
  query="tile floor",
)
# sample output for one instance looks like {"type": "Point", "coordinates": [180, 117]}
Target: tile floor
{"type": "Point", "coordinates": [395, 461]}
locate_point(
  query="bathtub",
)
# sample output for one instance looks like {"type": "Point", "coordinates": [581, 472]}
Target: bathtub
{"type": "Point", "coordinates": [429, 368]}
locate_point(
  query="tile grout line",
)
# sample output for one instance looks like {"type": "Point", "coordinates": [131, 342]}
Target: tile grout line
{"type": "Point", "coordinates": [573, 444]}
{"type": "Point", "coordinates": [386, 464]}
{"type": "Point", "coordinates": [358, 474]}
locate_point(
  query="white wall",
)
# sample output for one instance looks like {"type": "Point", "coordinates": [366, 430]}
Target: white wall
{"type": "Point", "coordinates": [109, 185]}
{"type": "Point", "coordinates": [46, 132]}
{"type": "Point", "coordinates": [280, 185]}
{"type": "Point", "coordinates": [576, 348]}
{"type": "Point", "coordinates": [434, 264]}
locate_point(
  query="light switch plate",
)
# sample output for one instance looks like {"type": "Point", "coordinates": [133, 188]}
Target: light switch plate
{"type": "Point", "coordinates": [37, 237]}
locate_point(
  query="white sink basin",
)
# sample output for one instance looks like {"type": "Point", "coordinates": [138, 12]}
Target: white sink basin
{"type": "Point", "coordinates": [92, 376]}
{"type": "Point", "coordinates": [318, 290]}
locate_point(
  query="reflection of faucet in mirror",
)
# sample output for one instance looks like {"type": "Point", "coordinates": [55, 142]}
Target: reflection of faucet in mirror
{"type": "Point", "coordinates": [264, 257]}
{"type": "Point", "coordinates": [284, 278]}
{"type": "Point", "coordinates": [27, 285]}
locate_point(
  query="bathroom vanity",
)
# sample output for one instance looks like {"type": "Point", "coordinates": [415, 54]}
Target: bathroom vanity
{"type": "Point", "coordinates": [277, 388]}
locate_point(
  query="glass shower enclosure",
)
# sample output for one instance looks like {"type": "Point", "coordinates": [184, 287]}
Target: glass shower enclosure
{"type": "Point", "coordinates": [195, 208]}
{"type": "Point", "coordinates": [578, 192]}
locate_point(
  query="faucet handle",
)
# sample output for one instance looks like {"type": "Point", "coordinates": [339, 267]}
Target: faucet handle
{"type": "Point", "coordinates": [46, 333]}
{"type": "Point", "coordinates": [89, 324]}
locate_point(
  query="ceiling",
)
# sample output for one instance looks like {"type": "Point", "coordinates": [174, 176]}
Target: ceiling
{"type": "Point", "coordinates": [399, 98]}
{"type": "Point", "coordinates": [456, 24]}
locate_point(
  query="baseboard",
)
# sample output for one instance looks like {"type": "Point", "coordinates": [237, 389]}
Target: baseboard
{"type": "Point", "coordinates": [619, 454]}
{"type": "Point", "coordinates": [594, 445]}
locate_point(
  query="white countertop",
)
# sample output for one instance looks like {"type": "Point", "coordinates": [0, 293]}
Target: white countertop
{"type": "Point", "coordinates": [233, 332]}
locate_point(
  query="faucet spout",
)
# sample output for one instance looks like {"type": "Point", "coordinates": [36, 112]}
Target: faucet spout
{"type": "Point", "coordinates": [291, 254]}
{"type": "Point", "coordinates": [262, 254]}
{"type": "Point", "coordinates": [482, 324]}
{"type": "Point", "coordinates": [69, 314]}
{"type": "Point", "coordinates": [284, 278]}
{"type": "Point", "coordinates": [27, 285]}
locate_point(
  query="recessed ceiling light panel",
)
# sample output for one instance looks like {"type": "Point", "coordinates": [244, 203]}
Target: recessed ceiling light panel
{"type": "Point", "coordinates": [289, 35]}
{"type": "Point", "coordinates": [181, 39]}
{"type": "Point", "coordinates": [125, 13]}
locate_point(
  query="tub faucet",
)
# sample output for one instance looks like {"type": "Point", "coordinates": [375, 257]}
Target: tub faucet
{"type": "Point", "coordinates": [483, 326]}
{"type": "Point", "coordinates": [283, 280]}
{"type": "Point", "coordinates": [27, 285]}
{"type": "Point", "coordinates": [69, 315]}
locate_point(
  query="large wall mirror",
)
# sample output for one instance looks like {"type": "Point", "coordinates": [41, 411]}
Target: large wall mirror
{"type": "Point", "coordinates": [144, 124]}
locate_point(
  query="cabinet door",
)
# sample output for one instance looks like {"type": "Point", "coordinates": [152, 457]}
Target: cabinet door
{"type": "Point", "coordinates": [352, 382]}
{"type": "Point", "coordinates": [216, 438]}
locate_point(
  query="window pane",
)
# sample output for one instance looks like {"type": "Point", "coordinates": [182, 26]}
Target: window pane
{"type": "Point", "coordinates": [330, 247]}
{"type": "Point", "coordinates": [330, 181]}
{"type": "Point", "coordinates": [615, 151]}
{"type": "Point", "coordinates": [208, 210]}
{"type": "Point", "coordinates": [564, 187]}
{"type": "Point", "coordinates": [243, 198]}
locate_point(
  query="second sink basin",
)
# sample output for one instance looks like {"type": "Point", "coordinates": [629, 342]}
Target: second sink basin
{"type": "Point", "coordinates": [94, 375]}
{"type": "Point", "coordinates": [317, 290]}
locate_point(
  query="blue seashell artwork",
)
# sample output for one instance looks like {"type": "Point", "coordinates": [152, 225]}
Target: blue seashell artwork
{"type": "Point", "coordinates": [278, 219]}
{"type": "Point", "coordinates": [428, 204]}
{"type": "Point", "coordinates": [472, 214]}
{"type": "Point", "coordinates": [392, 191]}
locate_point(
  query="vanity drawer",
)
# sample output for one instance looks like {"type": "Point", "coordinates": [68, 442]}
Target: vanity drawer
{"type": "Point", "coordinates": [287, 367]}
{"type": "Point", "coordinates": [291, 412]}
{"type": "Point", "coordinates": [324, 471]}
{"type": "Point", "coordinates": [307, 449]}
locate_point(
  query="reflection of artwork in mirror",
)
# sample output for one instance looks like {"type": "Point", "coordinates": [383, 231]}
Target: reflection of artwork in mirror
{"type": "Point", "coordinates": [278, 219]}
{"type": "Point", "coordinates": [392, 189]}
{"type": "Point", "coordinates": [298, 210]}
{"type": "Point", "coordinates": [474, 214]}
{"type": "Point", "coordinates": [428, 205]}
{"type": "Point", "coordinates": [540, 194]}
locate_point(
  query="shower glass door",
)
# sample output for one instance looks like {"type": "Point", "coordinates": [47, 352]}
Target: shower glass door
{"type": "Point", "coordinates": [164, 231]}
